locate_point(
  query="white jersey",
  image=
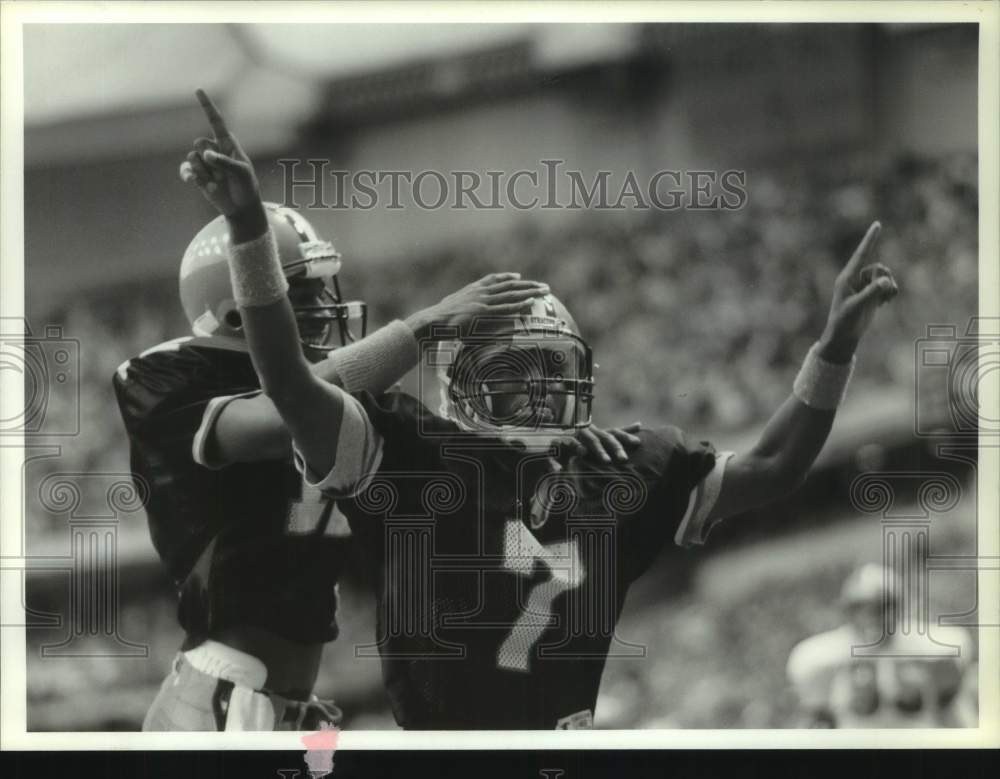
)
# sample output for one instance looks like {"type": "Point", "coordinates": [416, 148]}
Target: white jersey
{"type": "Point", "coordinates": [891, 690]}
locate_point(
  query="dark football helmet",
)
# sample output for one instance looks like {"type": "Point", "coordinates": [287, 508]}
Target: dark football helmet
{"type": "Point", "coordinates": [531, 371]}
{"type": "Point", "coordinates": [311, 265]}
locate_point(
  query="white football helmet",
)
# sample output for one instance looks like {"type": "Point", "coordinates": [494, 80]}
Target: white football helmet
{"type": "Point", "coordinates": [525, 372]}
{"type": "Point", "coordinates": [311, 266]}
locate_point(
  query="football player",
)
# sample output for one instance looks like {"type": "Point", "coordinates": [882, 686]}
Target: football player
{"type": "Point", "coordinates": [503, 562]}
{"type": "Point", "coordinates": [256, 556]}
{"type": "Point", "coordinates": [870, 673]}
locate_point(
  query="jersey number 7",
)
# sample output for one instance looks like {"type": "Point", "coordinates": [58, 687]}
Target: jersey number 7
{"type": "Point", "coordinates": [521, 551]}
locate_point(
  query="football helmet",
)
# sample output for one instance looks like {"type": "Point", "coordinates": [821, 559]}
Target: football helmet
{"type": "Point", "coordinates": [870, 584]}
{"type": "Point", "coordinates": [529, 371]}
{"type": "Point", "coordinates": [871, 599]}
{"type": "Point", "coordinates": [310, 264]}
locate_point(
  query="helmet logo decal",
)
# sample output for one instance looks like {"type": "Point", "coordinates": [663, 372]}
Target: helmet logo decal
{"type": "Point", "coordinates": [205, 325]}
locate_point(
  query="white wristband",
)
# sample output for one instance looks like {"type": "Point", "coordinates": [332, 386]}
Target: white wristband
{"type": "Point", "coordinates": [255, 272]}
{"type": "Point", "coordinates": [821, 384]}
{"type": "Point", "coordinates": [377, 361]}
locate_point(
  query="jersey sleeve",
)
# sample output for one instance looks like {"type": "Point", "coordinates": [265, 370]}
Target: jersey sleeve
{"type": "Point", "coordinates": [170, 398]}
{"type": "Point", "coordinates": [681, 481]}
{"type": "Point", "coordinates": [359, 454]}
{"type": "Point", "coordinates": [695, 525]}
{"type": "Point", "coordinates": [390, 432]}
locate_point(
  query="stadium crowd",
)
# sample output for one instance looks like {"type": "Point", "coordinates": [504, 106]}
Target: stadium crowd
{"type": "Point", "coordinates": [700, 318]}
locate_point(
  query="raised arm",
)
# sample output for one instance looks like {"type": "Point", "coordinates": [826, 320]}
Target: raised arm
{"type": "Point", "coordinates": [310, 408]}
{"type": "Point", "coordinates": [306, 400]}
{"type": "Point", "coordinates": [795, 434]}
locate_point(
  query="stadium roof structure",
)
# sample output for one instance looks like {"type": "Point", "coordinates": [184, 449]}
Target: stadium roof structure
{"type": "Point", "coordinates": [94, 91]}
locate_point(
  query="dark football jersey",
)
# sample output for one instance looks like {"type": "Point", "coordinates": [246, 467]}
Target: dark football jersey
{"type": "Point", "coordinates": [245, 544]}
{"type": "Point", "coordinates": [502, 572]}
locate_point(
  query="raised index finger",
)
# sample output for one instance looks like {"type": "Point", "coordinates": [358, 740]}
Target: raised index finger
{"type": "Point", "coordinates": [854, 264]}
{"type": "Point", "coordinates": [214, 117]}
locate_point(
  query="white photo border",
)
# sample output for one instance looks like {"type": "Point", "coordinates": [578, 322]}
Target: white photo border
{"type": "Point", "coordinates": [13, 700]}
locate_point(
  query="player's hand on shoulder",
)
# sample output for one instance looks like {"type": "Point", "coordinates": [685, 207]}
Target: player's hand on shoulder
{"type": "Point", "coordinates": [606, 445]}
{"type": "Point", "coordinates": [496, 294]}
{"type": "Point", "coordinates": [858, 292]}
{"type": "Point", "coordinates": [220, 168]}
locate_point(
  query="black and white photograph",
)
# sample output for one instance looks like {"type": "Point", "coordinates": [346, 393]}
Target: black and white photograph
{"type": "Point", "coordinates": [393, 368]}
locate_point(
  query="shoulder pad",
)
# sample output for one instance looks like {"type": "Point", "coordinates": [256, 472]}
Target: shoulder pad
{"type": "Point", "coordinates": [406, 426]}
{"type": "Point", "coordinates": [819, 653]}
{"type": "Point", "coordinates": [174, 345]}
{"type": "Point", "coordinates": [178, 372]}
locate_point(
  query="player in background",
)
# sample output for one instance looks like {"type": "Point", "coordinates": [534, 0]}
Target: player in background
{"type": "Point", "coordinates": [254, 556]}
{"type": "Point", "coordinates": [502, 613]}
{"type": "Point", "coordinates": [871, 673]}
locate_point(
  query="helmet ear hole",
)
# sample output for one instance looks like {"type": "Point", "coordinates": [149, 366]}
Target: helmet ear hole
{"type": "Point", "coordinates": [233, 319]}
